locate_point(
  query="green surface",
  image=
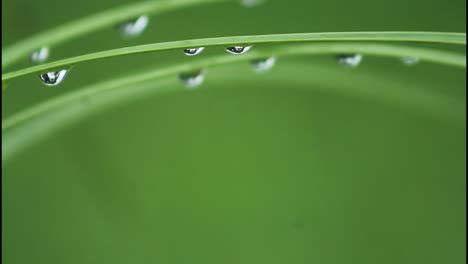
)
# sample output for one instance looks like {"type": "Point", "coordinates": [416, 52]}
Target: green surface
{"type": "Point", "coordinates": [308, 163]}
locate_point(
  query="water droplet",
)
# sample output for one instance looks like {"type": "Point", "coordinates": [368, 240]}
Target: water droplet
{"type": "Point", "coordinates": [192, 80]}
{"type": "Point", "coordinates": [252, 3]}
{"type": "Point", "coordinates": [193, 51]}
{"type": "Point", "coordinates": [349, 60]}
{"type": "Point", "coordinates": [238, 49]}
{"type": "Point", "coordinates": [134, 27]}
{"type": "Point", "coordinates": [53, 78]}
{"type": "Point", "coordinates": [40, 55]}
{"type": "Point", "coordinates": [409, 60]}
{"type": "Point", "coordinates": [263, 65]}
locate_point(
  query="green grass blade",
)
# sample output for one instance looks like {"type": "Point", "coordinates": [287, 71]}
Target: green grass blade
{"type": "Point", "coordinates": [304, 49]}
{"type": "Point", "coordinates": [429, 37]}
{"type": "Point", "coordinates": [48, 118]}
{"type": "Point", "coordinates": [92, 23]}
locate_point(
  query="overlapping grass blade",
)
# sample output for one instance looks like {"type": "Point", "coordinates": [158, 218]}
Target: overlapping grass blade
{"type": "Point", "coordinates": [92, 23]}
{"type": "Point", "coordinates": [287, 50]}
{"type": "Point", "coordinates": [28, 126]}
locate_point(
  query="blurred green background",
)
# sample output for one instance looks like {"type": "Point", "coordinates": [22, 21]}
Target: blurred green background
{"type": "Point", "coordinates": [308, 163]}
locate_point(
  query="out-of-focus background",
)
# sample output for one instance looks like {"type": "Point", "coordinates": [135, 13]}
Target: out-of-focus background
{"type": "Point", "coordinates": [308, 163]}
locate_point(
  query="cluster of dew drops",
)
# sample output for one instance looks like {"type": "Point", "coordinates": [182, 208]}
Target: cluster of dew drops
{"type": "Point", "coordinates": [133, 28]}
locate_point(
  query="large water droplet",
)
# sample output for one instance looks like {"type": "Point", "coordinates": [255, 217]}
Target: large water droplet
{"type": "Point", "coordinates": [40, 55]}
{"type": "Point", "coordinates": [349, 60]}
{"type": "Point", "coordinates": [263, 65]}
{"type": "Point", "coordinates": [134, 27]}
{"type": "Point", "coordinates": [238, 49]}
{"type": "Point", "coordinates": [53, 78]}
{"type": "Point", "coordinates": [252, 3]}
{"type": "Point", "coordinates": [193, 51]}
{"type": "Point", "coordinates": [192, 80]}
{"type": "Point", "coordinates": [409, 60]}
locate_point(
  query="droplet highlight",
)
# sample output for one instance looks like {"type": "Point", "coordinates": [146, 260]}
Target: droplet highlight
{"type": "Point", "coordinates": [40, 55]}
{"type": "Point", "coordinates": [193, 51]}
{"type": "Point", "coordinates": [192, 80]}
{"type": "Point", "coordinates": [135, 27]}
{"type": "Point", "coordinates": [237, 50]}
{"type": "Point", "coordinates": [409, 60]}
{"type": "Point", "coordinates": [53, 78]}
{"type": "Point", "coordinates": [349, 60]}
{"type": "Point", "coordinates": [263, 65]}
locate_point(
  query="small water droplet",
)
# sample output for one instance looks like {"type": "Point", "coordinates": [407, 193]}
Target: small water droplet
{"type": "Point", "coordinates": [193, 51]}
{"type": "Point", "coordinates": [238, 49]}
{"type": "Point", "coordinates": [263, 65]}
{"type": "Point", "coordinates": [192, 80]}
{"type": "Point", "coordinates": [349, 60]}
{"type": "Point", "coordinates": [134, 27]}
{"type": "Point", "coordinates": [40, 55]}
{"type": "Point", "coordinates": [409, 60]}
{"type": "Point", "coordinates": [252, 3]}
{"type": "Point", "coordinates": [53, 78]}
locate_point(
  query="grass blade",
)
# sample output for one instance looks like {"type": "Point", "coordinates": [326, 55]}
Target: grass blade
{"type": "Point", "coordinates": [429, 37]}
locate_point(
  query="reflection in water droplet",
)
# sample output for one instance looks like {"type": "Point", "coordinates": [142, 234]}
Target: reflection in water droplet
{"type": "Point", "coordinates": [192, 80]}
{"type": "Point", "coordinates": [53, 78]}
{"type": "Point", "coordinates": [40, 55]}
{"type": "Point", "coordinates": [193, 51]}
{"type": "Point", "coordinates": [238, 49]}
{"type": "Point", "coordinates": [252, 3]}
{"type": "Point", "coordinates": [134, 27]}
{"type": "Point", "coordinates": [349, 60]}
{"type": "Point", "coordinates": [263, 65]}
{"type": "Point", "coordinates": [409, 60]}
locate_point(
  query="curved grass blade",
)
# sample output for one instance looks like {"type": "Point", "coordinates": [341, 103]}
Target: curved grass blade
{"type": "Point", "coordinates": [70, 108]}
{"type": "Point", "coordinates": [429, 37]}
{"type": "Point", "coordinates": [304, 49]}
{"type": "Point", "coordinates": [90, 24]}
